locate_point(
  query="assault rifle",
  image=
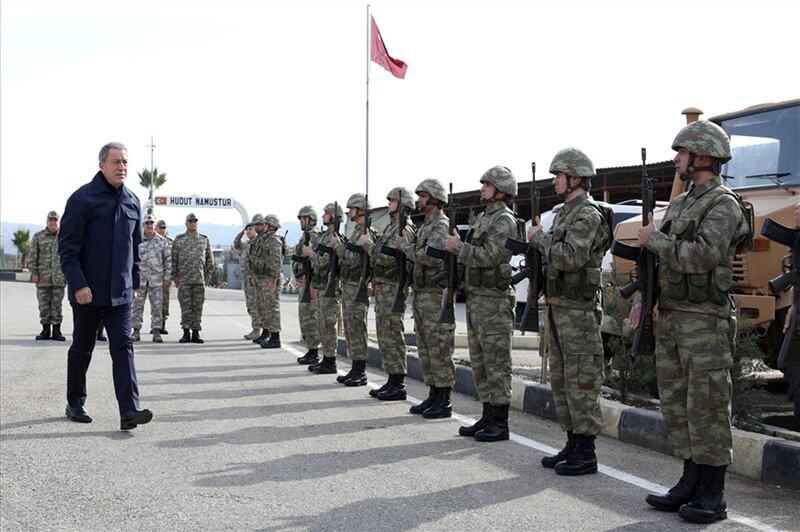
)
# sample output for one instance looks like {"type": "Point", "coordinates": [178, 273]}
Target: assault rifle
{"type": "Point", "coordinates": [366, 272]}
{"type": "Point", "coordinates": [333, 275]}
{"type": "Point", "coordinates": [447, 314]}
{"type": "Point", "coordinates": [307, 270]}
{"type": "Point", "coordinates": [790, 277]}
{"type": "Point", "coordinates": [399, 303]}
{"type": "Point", "coordinates": [644, 277]}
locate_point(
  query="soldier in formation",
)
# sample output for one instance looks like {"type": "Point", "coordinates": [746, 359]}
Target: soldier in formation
{"type": "Point", "coordinates": [248, 286]}
{"type": "Point", "coordinates": [490, 300]}
{"type": "Point", "coordinates": [702, 231]}
{"type": "Point", "coordinates": [307, 310]}
{"type": "Point", "coordinates": [45, 267]}
{"type": "Point", "coordinates": [154, 271]}
{"type": "Point", "coordinates": [573, 251]}
{"type": "Point", "coordinates": [161, 229]}
{"type": "Point", "coordinates": [192, 264]}
{"type": "Point", "coordinates": [266, 263]}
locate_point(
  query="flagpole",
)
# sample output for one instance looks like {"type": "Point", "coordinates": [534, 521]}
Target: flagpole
{"type": "Point", "coordinates": [369, 44]}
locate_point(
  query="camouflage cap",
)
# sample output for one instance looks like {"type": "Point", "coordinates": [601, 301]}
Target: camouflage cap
{"type": "Point", "coordinates": [358, 200]}
{"type": "Point", "coordinates": [434, 188]}
{"type": "Point", "coordinates": [191, 217]}
{"type": "Point", "coordinates": [406, 199]}
{"type": "Point", "coordinates": [573, 162]}
{"type": "Point", "coordinates": [161, 223]}
{"type": "Point", "coordinates": [704, 138]}
{"type": "Point", "coordinates": [502, 179]}
{"type": "Point", "coordinates": [257, 219]}
{"type": "Point", "coordinates": [150, 218]}
{"type": "Point", "coordinates": [272, 220]}
{"type": "Point", "coordinates": [52, 215]}
{"type": "Point", "coordinates": [309, 211]}
{"type": "Point", "coordinates": [329, 208]}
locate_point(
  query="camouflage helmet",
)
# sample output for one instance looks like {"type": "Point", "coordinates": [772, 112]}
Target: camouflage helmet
{"type": "Point", "coordinates": [357, 200]}
{"type": "Point", "coordinates": [502, 179]}
{"type": "Point", "coordinates": [572, 162]}
{"type": "Point", "coordinates": [704, 138]}
{"type": "Point", "coordinates": [329, 208]}
{"type": "Point", "coordinates": [257, 219]}
{"type": "Point", "coordinates": [309, 211]}
{"type": "Point", "coordinates": [272, 220]}
{"type": "Point", "coordinates": [434, 188]}
{"type": "Point", "coordinates": [406, 200]}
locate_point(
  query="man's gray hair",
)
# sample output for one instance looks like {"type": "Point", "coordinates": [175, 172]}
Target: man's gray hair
{"type": "Point", "coordinates": [110, 146]}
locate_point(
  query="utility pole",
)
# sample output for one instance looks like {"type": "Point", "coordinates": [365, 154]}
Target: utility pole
{"type": "Point", "coordinates": [152, 174]}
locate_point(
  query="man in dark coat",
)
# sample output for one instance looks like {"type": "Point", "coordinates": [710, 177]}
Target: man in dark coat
{"type": "Point", "coordinates": [99, 247]}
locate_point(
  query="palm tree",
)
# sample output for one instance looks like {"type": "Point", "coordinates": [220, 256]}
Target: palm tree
{"type": "Point", "coordinates": [146, 178]}
{"type": "Point", "coordinates": [22, 241]}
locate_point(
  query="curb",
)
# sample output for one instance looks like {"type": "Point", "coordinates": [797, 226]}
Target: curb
{"type": "Point", "coordinates": [772, 460]}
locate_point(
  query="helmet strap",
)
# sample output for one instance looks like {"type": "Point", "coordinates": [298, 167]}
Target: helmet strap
{"type": "Point", "coordinates": [714, 167]}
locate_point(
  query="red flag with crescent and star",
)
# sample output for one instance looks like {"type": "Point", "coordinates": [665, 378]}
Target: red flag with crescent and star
{"type": "Point", "coordinates": [380, 55]}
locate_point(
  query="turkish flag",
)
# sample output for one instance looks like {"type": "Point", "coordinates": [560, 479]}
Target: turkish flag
{"type": "Point", "coordinates": [379, 54]}
{"type": "Point", "coordinates": [161, 200]}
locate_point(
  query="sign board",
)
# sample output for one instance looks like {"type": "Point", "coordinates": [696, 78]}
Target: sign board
{"type": "Point", "coordinates": [193, 202]}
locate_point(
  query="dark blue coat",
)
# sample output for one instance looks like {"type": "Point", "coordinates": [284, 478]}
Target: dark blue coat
{"type": "Point", "coordinates": [99, 242]}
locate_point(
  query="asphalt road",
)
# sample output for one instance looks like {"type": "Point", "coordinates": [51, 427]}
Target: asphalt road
{"type": "Point", "coordinates": [245, 439]}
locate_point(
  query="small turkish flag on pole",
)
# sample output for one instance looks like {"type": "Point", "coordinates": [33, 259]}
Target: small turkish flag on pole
{"type": "Point", "coordinates": [380, 55]}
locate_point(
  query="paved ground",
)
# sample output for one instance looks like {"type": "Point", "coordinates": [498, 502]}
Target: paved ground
{"type": "Point", "coordinates": [243, 438]}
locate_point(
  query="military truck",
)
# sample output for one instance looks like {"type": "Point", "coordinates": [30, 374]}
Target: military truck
{"type": "Point", "coordinates": [765, 170]}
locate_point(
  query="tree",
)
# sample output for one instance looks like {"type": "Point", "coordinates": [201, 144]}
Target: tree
{"type": "Point", "coordinates": [146, 177]}
{"type": "Point", "coordinates": [22, 241]}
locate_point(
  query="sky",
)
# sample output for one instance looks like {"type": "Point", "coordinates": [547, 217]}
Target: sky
{"type": "Point", "coordinates": [265, 101]}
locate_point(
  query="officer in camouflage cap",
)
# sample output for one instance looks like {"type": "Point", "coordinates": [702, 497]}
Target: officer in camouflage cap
{"type": "Point", "coordinates": [161, 229]}
{"type": "Point", "coordinates": [243, 248]}
{"type": "Point", "coordinates": [385, 280]}
{"type": "Point", "coordinates": [573, 251]}
{"type": "Point", "coordinates": [490, 301]}
{"type": "Point", "coordinates": [192, 264]}
{"type": "Point", "coordinates": [701, 233]}
{"type": "Point", "coordinates": [307, 311]}
{"type": "Point", "coordinates": [44, 264]}
{"type": "Point", "coordinates": [266, 263]}
{"type": "Point", "coordinates": [155, 263]}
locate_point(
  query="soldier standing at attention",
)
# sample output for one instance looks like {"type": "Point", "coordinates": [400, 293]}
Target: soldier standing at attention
{"type": "Point", "coordinates": [701, 233]}
{"type": "Point", "coordinates": [154, 271]}
{"type": "Point", "coordinates": [385, 279]}
{"type": "Point", "coordinates": [161, 229]}
{"type": "Point", "coordinates": [435, 341]}
{"type": "Point", "coordinates": [248, 286]}
{"type": "Point", "coordinates": [192, 264]}
{"type": "Point", "coordinates": [355, 313]}
{"type": "Point", "coordinates": [257, 280]}
{"type": "Point", "coordinates": [573, 250]}
{"type": "Point", "coordinates": [327, 304]}
{"type": "Point", "coordinates": [269, 259]}
{"type": "Point", "coordinates": [45, 266]}
{"type": "Point", "coordinates": [490, 299]}
{"type": "Point", "coordinates": [307, 311]}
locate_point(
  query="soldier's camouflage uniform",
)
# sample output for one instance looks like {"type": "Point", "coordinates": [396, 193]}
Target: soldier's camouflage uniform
{"type": "Point", "coordinates": [266, 260]}
{"type": "Point", "coordinates": [490, 301]}
{"type": "Point", "coordinates": [355, 314]}
{"type": "Point", "coordinates": [327, 307]}
{"type": "Point", "coordinates": [307, 313]}
{"type": "Point", "coordinates": [192, 264]}
{"type": "Point", "coordinates": [248, 281]}
{"type": "Point", "coordinates": [573, 251]}
{"type": "Point", "coordinates": [695, 329]}
{"type": "Point", "coordinates": [435, 341]}
{"type": "Point", "coordinates": [44, 262]}
{"type": "Point", "coordinates": [389, 325]}
{"type": "Point", "coordinates": [166, 291]}
{"type": "Point", "coordinates": [154, 268]}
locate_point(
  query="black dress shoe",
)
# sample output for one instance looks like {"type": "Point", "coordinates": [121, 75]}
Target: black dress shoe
{"type": "Point", "coordinates": [78, 413]}
{"type": "Point", "coordinates": [130, 420]}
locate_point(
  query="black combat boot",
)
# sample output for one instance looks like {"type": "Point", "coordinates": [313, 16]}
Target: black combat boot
{"type": "Point", "coordinates": [186, 338]}
{"type": "Point", "coordinates": [680, 493]}
{"type": "Point", "coordinates": [708, 504]}
{"type": "Point", "coordinates": [359, 376]}
{"type": "Point", "coordinates": [196, 337]}
{"type": "Point", "coordinates": [376, 391]}
{"type": "Point", "coordinates": [57, 336]}
{"type": "Point", "coordinates": [273, 342]}
{"type": "Point", "coordinates": [395, 390]}
{"type": "Point", "coordinates": [45, 334]}
{"type": "Point", "coordinates": [563, 454]}
{"type": "Point", "coordinates": [164, 328]}
{"type": "Point", "coordinates": [481, 423]}
{"type": "Point", "coordinates": [326, 367]}
{"type": "Point", "coordinates": [441, 407]}
{"type": "Point", "coordinates": [311, 357]}
{"type": "Point", "coordinates": [264, 335]}
{"type": "Point", "coordinates": [582, 461]}
{"type": "Point", "coordinates": [420, 408]}
{"type": "Point", "coordinates": [497, 428]}
{"type": "Point", "coordinates": [341, 378]}
{"type": "Point", "coordinates": [135, 336]}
